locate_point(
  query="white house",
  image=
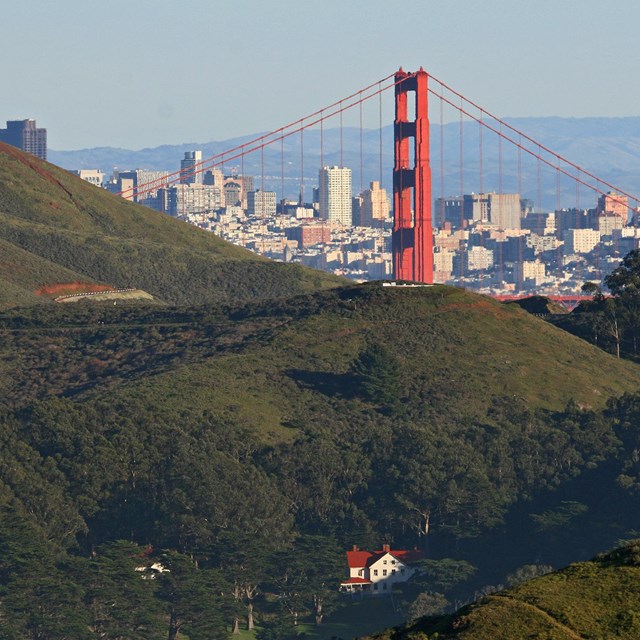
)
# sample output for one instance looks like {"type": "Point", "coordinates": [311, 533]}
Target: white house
{"type": "Point", "coordinates": [377, 572]}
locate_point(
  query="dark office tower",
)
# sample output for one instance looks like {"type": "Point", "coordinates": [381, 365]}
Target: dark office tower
{"type": "Point", "coordinates": [26, 136]}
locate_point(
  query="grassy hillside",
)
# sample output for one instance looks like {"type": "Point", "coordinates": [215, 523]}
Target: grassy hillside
{"type": "Point", "coordinates": [54, 226]}
{"type": "Point", "coordinates": [456, 351]}
{"type": "Point", "coordinates": [596, 599]}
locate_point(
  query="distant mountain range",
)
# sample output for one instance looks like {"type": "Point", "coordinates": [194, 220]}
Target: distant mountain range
{"type": "Point", "coordinates": [606, 147]}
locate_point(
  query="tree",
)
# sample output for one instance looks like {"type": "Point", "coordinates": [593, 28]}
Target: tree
{"type": "Point", "coordinates": [193, 598]}
{"type": "Point", "coordinates": [119, 593]}
{"type": "Point", "coordinates": [625, 279]}
{"type": "Point", "coordinates": [607, 315]}
{"type": "Point", "coordinates": [527, 572]}
{"type": "Point", "coordinates": [427, 604]}
{"type": "Point", "coordinates": [377, 376]}
{"type": "Point", "coordinates": [306, 576]}
{"type": "Point", "coordinates": [39, 598]}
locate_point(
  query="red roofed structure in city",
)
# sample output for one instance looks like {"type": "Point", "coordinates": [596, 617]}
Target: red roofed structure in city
{"type": "Point", "coordinates": [377, 571]}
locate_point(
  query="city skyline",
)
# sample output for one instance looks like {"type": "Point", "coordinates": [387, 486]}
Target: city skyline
{"type": "Point", "coordinates": [98, 79]}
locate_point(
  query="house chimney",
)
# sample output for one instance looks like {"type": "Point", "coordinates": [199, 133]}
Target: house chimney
{"type": "Point", "coordinates": [386, 547]}
{"type": "Point", "coordinates": [355, 547]}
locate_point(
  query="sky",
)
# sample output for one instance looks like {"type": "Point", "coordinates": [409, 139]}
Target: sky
{"type": "Point", "coordinates": [143, 73]}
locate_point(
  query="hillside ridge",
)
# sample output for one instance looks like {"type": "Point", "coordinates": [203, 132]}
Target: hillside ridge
{"type": "Point", "coordinates": [59, 229]}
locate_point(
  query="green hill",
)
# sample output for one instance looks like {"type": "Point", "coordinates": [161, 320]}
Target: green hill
{"type": "Point", "coordinates": [596, 599]}
{"type": "Point", "coordinates": [327, 419]}
{"type": "Point", "coordinates": [455, 352]}
{"type": "Point", "coordinates": [56, 228]}
{"type": "Point", "coordinates": [249, 439]}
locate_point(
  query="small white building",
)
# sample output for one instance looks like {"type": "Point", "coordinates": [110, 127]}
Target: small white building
{"type": "Point", "coordinates": [376, 572]}
{"type": "Point", "coordinates": [94, 176]}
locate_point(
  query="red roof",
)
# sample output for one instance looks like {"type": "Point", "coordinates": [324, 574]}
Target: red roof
{"type": "Point", "coordinates": [407, 555]}
{"type": "Point", "coordinates": [361, 559]}
{"type": "Point", "coordinates": [357, 559]}
{"type": "Point", "coordinates": [356, 581]}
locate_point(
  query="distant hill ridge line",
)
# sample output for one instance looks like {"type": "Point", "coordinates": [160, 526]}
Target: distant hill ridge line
{"type": "Point", "coordinates": [335, 131]}
{"type": "Point", "coordinates": [607, 147]}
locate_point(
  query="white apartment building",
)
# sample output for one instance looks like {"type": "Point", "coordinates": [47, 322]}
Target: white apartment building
{"type": "Point", "coordinates": [261, 203]}
{"type": "Point", "coordinates": [479, 258]}
{"type": "Point", "coordinates": [335, 195]}
{"type": "Point", "coordinates": [93, 176]}
{"type": "Point", "coordinates": [533, 270]}
{"type": "Point", "coordinates": [581, 240]}
{"type": "Point", "coordinates": [187, 199]}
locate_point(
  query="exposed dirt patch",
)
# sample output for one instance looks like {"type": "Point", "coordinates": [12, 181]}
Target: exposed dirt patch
{"type": "Point", "coordinates": [69, 288]}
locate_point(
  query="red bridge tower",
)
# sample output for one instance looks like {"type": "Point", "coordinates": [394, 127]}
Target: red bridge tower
{"type": "Point", "coordinates": [412, 227]}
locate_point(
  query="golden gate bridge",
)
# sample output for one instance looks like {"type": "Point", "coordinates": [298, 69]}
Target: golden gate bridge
{"type": "Point", "coordinates": [415, 216]}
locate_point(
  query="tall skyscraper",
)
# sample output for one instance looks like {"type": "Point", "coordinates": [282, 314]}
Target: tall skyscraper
{"type": "Point", "coordinates": [26, 136]}
{"type": "Point", "coordinates": [188, 168]}
{"type": "Point", "coordinates": [335, 195]}
{"type": "Point", "coordinates": [503, 210]}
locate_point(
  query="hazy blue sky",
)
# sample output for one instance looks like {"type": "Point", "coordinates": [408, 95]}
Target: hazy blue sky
{"type": "Point", "coordinates": [138, 73]}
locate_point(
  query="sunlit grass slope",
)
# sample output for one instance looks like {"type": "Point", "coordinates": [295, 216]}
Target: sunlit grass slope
{"type": "Point", "coordinates": [67, 228]}
{"type": "Point", "coordinates": [271, 366]}
{"type": "Point", "coordinates": [596, 599]}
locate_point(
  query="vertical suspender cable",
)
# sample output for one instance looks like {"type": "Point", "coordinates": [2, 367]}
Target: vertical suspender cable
{"type": "Point", "coordinates": [360, 220]}
{"type": "Point", "coordinates": [500, 207]}
{"type": "Point", "coordinates": [321, 195]}
{"type": "Point", "coordinates": [361, 149]}
{"type": "Point", "coordinates": [302, 167]}
{"type": "Point", "coordinates": [521, 239]}
{"type": "Point", "coordinates": [341, 138]}
{"type": "Point", "coordinates": [463, 253]}
{"type": "Point", "coordinates": [443, 195]}
{"type": "Point", "coordinates": [380, 223]}
{"type": "Point", "coordinates": [286, 223]}
{"type": "Point", "coordinates": [480, 143]}
{"type": "Point", "coordinates": [262, 198]}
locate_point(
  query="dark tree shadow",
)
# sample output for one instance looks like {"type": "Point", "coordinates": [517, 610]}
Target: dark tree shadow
{"type": "Point", "coordinates": [329, 384]}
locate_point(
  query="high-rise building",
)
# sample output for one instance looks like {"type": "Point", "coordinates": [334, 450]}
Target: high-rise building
{"type": "Point", "coordinates": [139, 185]}
{"type": "Point", "coordinates": [26, 136]}
{"type": "Point", "coordinates": [374, 207]}
{"type": "Point", "coordinates": [335, 195]}
{"type": "Point", "coordinates": [189, 171]}
{"type": "Point", "coordinates": [504, 210]}
{"type": "Point", "coordinates": [613, 204]}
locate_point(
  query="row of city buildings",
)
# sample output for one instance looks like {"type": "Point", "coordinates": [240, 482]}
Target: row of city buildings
{"type": "Point", "coordinates": [492, 242]}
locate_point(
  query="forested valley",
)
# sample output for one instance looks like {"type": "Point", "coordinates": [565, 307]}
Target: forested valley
{"type": "Point", "coordinates": [144, 495]}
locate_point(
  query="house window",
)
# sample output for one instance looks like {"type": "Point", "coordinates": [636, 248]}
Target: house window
{"type": "Point", "coordinates": [384, 572]}
{"type": "Point", "coordinates": [384, 562]}
{"type": "Point", "coordinates": [360, 572]}
{"type": "Point", "coordinates": [393, 571]}
{"type": "Point", "coordinates": [375, 572]}
{"type": "Point", "coordinates": [393, 562]}
{"type": "Point", "coordinates": [375, 587]}
{"type": "Point", "coordinates": [384, 586]}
